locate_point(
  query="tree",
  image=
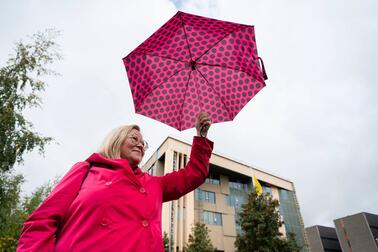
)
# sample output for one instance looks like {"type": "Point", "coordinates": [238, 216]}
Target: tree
{"type": "Point", "coordinates": [19, 210]}
{"type": "Point", "coordinates": [9, 198]}
{"type": "Point", "coordinates": [260, 222]}
{"type": "Point", "coordinates": [20, 86]}
{"type": "Point", "coordinates": [199, 240]}
{"type": "Point", "coordinates": [166, 242]}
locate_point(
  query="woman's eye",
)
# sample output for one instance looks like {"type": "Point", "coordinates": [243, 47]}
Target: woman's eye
{"type": "Point", "coordinates": [135, 139]}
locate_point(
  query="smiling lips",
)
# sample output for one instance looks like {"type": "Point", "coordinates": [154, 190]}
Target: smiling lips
{"type": "Point", "coordinates": [137, 150]}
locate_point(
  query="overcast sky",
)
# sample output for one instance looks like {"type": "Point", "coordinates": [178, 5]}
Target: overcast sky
{"type": "Point", "coordinates": [315, 123]}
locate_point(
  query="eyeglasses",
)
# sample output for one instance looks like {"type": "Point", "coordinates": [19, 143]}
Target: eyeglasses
{"type": "Point", "coordinates": [135, 141]}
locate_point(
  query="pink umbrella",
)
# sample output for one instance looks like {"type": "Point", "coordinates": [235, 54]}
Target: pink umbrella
{"type": "Point", "coordinates": [194, 64]}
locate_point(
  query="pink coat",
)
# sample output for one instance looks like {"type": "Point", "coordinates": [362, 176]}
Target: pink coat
{"type": "Point", "coordinates": [117, 208]}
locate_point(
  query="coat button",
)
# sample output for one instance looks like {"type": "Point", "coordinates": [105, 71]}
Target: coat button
{"type": "Point", "coordinates": [142, 190]}
{"type": "Point", "coordinates": [104, 223]}
{"type": "Point", "coordinates": [145, 223]}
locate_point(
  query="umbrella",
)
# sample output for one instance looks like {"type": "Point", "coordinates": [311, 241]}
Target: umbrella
{"type": "Point", "coordinates": [194, 64]}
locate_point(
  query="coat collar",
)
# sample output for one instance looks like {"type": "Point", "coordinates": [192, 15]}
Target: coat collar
{"type": "Point", "coordinates": [116, 164]}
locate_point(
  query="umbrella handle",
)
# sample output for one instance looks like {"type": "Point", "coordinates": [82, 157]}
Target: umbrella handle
{"type": "Point", "coordinates": [202, 127]}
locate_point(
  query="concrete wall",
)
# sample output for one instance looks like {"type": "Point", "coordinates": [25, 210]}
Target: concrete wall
{"type": "Point", "coordinates": [314, 240]}
{"type": "Point", "coordinates": [354, 232]}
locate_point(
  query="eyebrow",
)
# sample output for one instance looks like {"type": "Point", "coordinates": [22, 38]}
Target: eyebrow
{"type": "Point", "coordinates": [133, 135]}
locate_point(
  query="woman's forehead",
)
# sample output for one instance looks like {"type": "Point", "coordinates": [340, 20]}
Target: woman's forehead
{"type": "Point", "coordinates": [135, 132]}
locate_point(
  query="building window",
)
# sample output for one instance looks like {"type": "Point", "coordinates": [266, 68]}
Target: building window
{"type": "Point", "coordinates": [290, 213]}
{"type": "Point", "coordinates": [238, 185]}
{"type": "Point", "coordinates": [267, 189]}
{"type": "Point", "coordinates": [183, 213]}
{"type": "Point", "coordinates": [230, 200]}
{"type": "Point", "coordinates": [235, 200]}
{"type": "Point", "coordinates": [151, 170]}
{"type": "Point", "coordinates": [284, 194]}
{"type": "Point", "coordinates": [174, 164]}
{"type": "Point", "coordinates": [212, 218]}
{"type": "Point", "coordinates": [213, 179]}
{"type": "Point", "coordinates": [202, 195]}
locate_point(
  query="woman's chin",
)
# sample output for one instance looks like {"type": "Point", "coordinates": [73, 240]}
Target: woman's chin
{"type": "Point", "coordinates": [135, 161]}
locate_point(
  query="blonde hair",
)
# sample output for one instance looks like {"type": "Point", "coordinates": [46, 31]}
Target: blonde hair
{"type": "Point", "coordinates": [111, 146]}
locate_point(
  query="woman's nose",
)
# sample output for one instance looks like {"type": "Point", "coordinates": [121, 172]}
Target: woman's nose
{"type": "Point", "coordinates": [140, 145]}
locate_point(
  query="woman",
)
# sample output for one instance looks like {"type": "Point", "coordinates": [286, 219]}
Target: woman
{"type": "Point", "coordinates": [117, 207]}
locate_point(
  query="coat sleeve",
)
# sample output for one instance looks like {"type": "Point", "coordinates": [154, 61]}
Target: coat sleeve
{"type": "Point", "coordinates": [179, 183]}
{"type": "Point", "coordinates": [38, 233]}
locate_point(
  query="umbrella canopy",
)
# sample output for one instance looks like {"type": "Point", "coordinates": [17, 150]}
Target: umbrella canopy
{"type": "Point", "coordinates": [194, 64]}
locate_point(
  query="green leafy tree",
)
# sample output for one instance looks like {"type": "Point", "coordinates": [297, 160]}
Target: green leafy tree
{"type": "Point", "coordinates": [20, 209]}
{"type": "Point", "coordinates": [166, 242]}
{"type": "Point", "coordinates": [199, 240]}
{"type": "Point", "coordinates": [9, 198]}
{"type": "Point", "coordinates": [20, 87]}
{"type": "Point", "coordinates": [260, 222]}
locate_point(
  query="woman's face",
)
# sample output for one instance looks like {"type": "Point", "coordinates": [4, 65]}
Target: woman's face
{"type": "Point", "coordinates": [132, 148]}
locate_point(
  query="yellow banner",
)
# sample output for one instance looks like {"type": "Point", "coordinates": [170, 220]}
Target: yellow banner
{"type": "Point", "coordinates": [257, 186]}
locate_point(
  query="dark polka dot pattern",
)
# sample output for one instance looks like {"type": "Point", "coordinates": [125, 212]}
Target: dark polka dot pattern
{"type": "Point", "coordinates": [194, 64]}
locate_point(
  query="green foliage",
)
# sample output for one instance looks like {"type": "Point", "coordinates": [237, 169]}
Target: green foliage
{"type": "Point", "coordinates": [17, 209]}
{"type": "Point", "coordinates": [260, 222]}
{"type": "Point", "coordinates": [199, 240]}
{"type": "Point", "coordinates": [20, 86]}
{"type": "Point", "coordinates": [166, 242]}
{"type": "Point", "coordinates": [9, 198]}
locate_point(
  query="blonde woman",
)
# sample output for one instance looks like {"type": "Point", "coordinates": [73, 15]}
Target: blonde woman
{"type": "Point", "coordinates": [115, 206]}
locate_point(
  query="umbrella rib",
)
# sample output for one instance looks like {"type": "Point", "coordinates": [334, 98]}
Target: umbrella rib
{"type": "Point", "coordinates": [208, 83]}
{"type": "Point", "coordinates": [186, 90]}
{"type": "Point", "coordinates": [164, 57]}
{"type": "Point", "coordinates": [214, 65]}
{"type": "Point", "coordinates": [159, 85]}
{"type": "Point", "coordinates": [186, 38]}
{"type": "Point", "coordinates": [218, 43]}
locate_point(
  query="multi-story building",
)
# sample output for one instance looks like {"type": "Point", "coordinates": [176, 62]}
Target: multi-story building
{"type": "Point", "coordinates": [217, 202]}
{"type": "Point", "coordinates": [358, 232]}
{"type": "Point", "coordinates": [322, 239]}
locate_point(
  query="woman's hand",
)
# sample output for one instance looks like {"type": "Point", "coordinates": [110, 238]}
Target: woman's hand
{"type": "Point", "coordinates": [203, 124]}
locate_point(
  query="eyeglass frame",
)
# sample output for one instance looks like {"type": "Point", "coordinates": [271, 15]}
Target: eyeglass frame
{"type": "Point", "coordinates": [135, 141]}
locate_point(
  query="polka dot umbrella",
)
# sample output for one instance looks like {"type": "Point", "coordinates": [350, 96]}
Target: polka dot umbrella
{"type": "Point", "coordinates": [194, 64]}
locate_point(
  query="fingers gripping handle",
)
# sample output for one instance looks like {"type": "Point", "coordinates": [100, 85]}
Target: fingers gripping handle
{"type": "Point", "coordinates": [202, 132]}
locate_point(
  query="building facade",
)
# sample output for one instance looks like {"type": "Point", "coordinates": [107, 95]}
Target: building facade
{"type": "Point", "coordinates": [322, 239]}
{"type": "Point", "coordinates": [217, 202]}
{"type": "Point", "coordinates": [358, 232]}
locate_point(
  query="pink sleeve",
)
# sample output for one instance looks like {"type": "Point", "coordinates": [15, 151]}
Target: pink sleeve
{"type": "Point", "coordinates": [179, 183]}
{"type": "Point", "coordinates": [38, 233]}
